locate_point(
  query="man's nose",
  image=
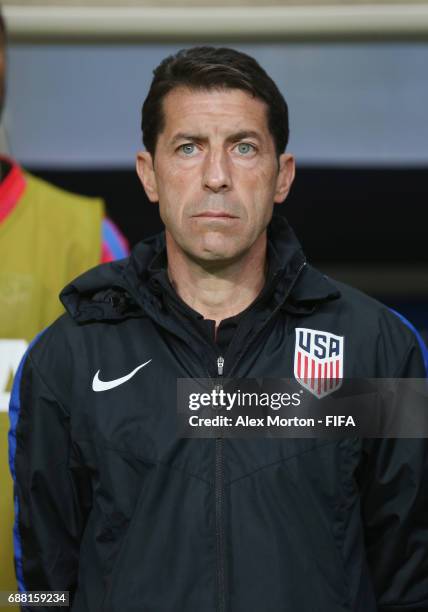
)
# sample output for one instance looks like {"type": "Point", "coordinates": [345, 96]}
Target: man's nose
{"type": "Point", "coordinates": [217, 176]}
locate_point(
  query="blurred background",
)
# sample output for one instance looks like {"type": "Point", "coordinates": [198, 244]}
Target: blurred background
{"type": "Point", "coordinates": [353, 73]}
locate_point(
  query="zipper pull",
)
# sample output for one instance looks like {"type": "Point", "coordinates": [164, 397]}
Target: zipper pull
{"type": "Point", "coordinates": [220, 365]}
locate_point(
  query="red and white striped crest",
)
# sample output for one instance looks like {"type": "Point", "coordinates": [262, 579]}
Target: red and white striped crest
{"type": "Point", "coordinates": [318, 361]}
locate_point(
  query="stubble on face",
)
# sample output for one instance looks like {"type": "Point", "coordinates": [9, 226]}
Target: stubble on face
{"type": "Point", "coordinates": [216, 174]}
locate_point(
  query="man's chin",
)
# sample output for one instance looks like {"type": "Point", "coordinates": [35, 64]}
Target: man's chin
{"type": "Point", "coordinates": [214, 256]}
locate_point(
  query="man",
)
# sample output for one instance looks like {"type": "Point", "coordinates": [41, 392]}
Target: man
{"type": "Point", "coordinates": [47, 237]}
{"type": "Point", "coordinates": [111, 504]}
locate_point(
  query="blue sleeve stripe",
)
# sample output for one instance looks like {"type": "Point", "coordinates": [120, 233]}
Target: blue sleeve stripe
{"type": "Point", "coordinates": [14, 411]}
{"type": "Point", "coordinates": [113, 240]}
{"type": "Point", "coordinates": [419, 338]}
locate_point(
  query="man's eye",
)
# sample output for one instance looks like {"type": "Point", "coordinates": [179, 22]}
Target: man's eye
{"type": "Point", "coordinates": [188, 148]}
{"type": "Point", "coordinates": [244, 148]}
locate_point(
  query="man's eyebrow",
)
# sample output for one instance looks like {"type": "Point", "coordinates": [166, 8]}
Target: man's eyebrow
{"type": "Point", "coordinates": [188, 136]}
{"type": "Point", "coordinates": [241, 135]}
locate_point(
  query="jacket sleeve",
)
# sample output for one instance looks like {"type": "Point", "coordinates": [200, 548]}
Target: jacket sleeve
{"type": "Point", "coordinates": [51, 491]}
{"type": "Point", "coordinates": [394, 495]}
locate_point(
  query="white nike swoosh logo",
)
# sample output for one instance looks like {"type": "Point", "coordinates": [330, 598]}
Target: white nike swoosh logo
{"type": "Point", "coordinates": [105, 385]}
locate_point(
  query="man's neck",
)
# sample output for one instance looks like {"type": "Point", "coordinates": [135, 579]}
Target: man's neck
{"type": "Point", "coordinates": [218, 292]}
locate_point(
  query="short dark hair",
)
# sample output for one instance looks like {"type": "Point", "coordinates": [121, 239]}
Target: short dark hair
{"type": "Point", "coordinates": [205, 68]}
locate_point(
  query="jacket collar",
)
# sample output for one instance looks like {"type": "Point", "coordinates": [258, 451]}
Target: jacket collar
{"type": "Point", "coordinates": [312, 290]}
{"type": "Point", "coordinates": [131, 287]}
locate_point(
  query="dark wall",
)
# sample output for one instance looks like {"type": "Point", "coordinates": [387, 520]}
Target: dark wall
{"type": "Point", "coordinates": [340, 215]}
{"type": "Point", "coordinates": [360, 217]}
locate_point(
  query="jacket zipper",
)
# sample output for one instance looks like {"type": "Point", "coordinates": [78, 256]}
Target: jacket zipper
{"type": "Point", "coordinates": [219, 511]}
{"type": "Point", "coordinates": [219, 482]}
{"type": "Point", "coordinates": [220, 365]}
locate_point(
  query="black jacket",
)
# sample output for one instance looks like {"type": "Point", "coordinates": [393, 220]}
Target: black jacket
{"type": "Point", "coordinates": [114, 507]}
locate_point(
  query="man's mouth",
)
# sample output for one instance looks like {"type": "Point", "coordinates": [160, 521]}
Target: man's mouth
{"type": "Point", "coordinates": [219, 214]}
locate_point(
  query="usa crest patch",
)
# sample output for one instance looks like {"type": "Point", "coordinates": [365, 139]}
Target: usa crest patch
{"type": "Point", "coordinates": [318, 361]}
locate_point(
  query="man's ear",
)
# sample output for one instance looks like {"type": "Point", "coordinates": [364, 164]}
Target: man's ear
{"type": "Point", "coordinates": [285, 178]}
{"type": "Point", "coordinates": [146, 173]}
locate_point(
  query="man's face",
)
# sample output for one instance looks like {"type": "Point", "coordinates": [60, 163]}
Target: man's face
{"type": "Point", "coordinates": [215, 173]}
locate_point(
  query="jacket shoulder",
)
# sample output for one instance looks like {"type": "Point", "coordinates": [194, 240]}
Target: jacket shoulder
{"type": "Point", "coordinates": [377, 327]}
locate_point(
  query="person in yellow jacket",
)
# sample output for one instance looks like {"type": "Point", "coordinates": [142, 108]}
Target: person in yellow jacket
{"type": "Point", "coordinates": [47, 237]}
